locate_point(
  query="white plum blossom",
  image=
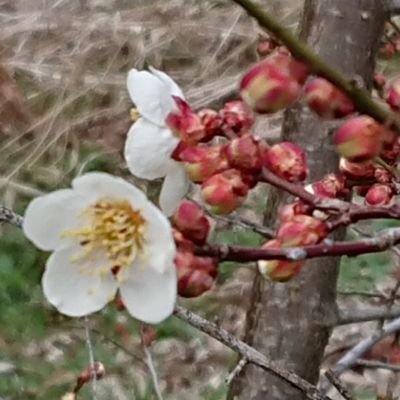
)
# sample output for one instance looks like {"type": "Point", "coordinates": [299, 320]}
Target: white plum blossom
{"type": "Point", "coordinates": [150, 142]}
{"type": "Point", "coordinates": [105, 236]}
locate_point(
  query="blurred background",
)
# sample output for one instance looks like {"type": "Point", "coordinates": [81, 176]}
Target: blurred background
{"type": "Point", "coordinates": [64, 110]}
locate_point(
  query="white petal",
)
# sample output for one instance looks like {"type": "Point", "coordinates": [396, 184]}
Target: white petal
{"type": "Point", "coordinates": [151, 95]}
{"type": "Point", "coordinates": [174, 188]}
{"type": "Point", "coordinates": [95, 185]}
{"type": "Point", "coordinates": [48, 216]}
{"type": "Point", "coordinates": [149, 296]}
{"type": "Point", "coordinates": [148, 149]}
{"type": "Point", "coordinates": [159, 242]}
{"type": "Point", "coordinates": [174, 89]}
{"type": "Point", "coordinates": [75, 292]}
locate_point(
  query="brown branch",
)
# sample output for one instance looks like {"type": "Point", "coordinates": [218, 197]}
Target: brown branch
{"type": "Point", "coordinates": [335, 381]}
{"type": "Point", "coordinates": [248, 353]}
{"type": "Point", "coordinates": [360, 97]}
{"type": "Point", "coordinates": [381, 242]}
{"type": "Point", "coordinates": [351, 315]}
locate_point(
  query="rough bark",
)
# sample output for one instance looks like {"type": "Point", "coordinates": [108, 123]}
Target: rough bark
{"type": "Point", "coordinates": [291, 323]}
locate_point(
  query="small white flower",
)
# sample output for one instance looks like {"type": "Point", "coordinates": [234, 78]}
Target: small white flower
{"type": "Point", "coordinates": [105, 235]}
{"type": "Point", "coordinates": [150, 142]}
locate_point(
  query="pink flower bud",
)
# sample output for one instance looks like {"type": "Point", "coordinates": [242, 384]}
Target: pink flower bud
{"type": "Point", "coordinates": [225, 191]}
{"type": "Point", "coordinates": [244, 153]}
{"type": "Point", "coordinates": [391, 149]}
{"type": "Point", "coordinates": [286, 160]}
{"type": "Point", "coordinates": [330, 186]}
{"type": "Point", "coordinates": [302, 230]}
{"type": "Point", "coordinates": [356, 171]}
{"type": "Point", "coordinates": [266, 47]}
{"type": "Point", "coordinates": [388, 51]}
{"type": "Point", "coordinates": [270, 85]}
{"type": "Point", "coordinates": [196, 275]}
{"type": "Point", "coordinates": [289, 211]}
{"type": "Point", "coordinates": [185, 124]}
{"type": "Point", "coordinates": [212, 123]}
{"type": "Point", "coordinates": [237, 117]}
{"type": "Point", "coordinates": [278, 270]}
{"type": "Point", "coordinates": [326, 100]}
{"type": "Point", "coordinates": [359, 139]}
{"type": "Point", "coordinates": [393, 96]}
{"type": "Point", "coordinates": [201, 162]}
{"type": "Point", "coordinates": [379, 195]}
{"type": "Point", "coordinates": [191, 220]}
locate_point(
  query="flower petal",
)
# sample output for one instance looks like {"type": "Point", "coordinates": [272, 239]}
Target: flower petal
{"type": "Point", "coordinates": [151, 95]}
{"type": "Point", "coordinates": [174, 89]}
{"type": "Point", "coordinates": [174, 188]}
{"type": "Point", "coordinates": [148, 149]}
{"type": "Point", "coordinates": [78, 288]}
{"type": "Point", "coordinates": [95, 185]}
{"type": "Point", "coordinates": [48, 216]}
{"type": "Point", "coordinates": [160, 247]}
{"type": "Point", "coordinates": [149, 296]}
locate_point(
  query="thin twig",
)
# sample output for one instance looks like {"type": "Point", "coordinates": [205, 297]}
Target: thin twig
{"type": "Point", "coordinates": [332, 378]}
{"type": "Point", "coordinates": [236, 371]}
{"type": "Point", "coordinates": [249, 353]}
{"type": "Point", "coordinates": [351, 357]}
{"type": "Point", "coordinates": [351, 315]}
{"type": "Point", "coordinates": [9, 216]}
{"type": "Point", "coordinates": [91, 359]}
{"type": "Point", "coordinates": [150, 366]}
{"type": "Point", "coordinates": [377, 365]}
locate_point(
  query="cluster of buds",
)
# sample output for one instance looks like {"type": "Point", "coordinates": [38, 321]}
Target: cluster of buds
{"type": "Point", "coordinates": [391, 43]}
{"type": "Point", "coordinates": [196, 275]}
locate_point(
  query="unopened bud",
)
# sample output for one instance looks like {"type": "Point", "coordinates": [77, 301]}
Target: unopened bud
{"type": "Point", "coordinates": [190, 219]}
{"type": "Point", "coordinates": [225, 191]}
{"type": "Point", "coordinates": [326, 100]}
{"type": "Point", "coordinates": [360, 139]}
{"type": "Point", "coordinates": [286, 160]}
{"type": "Point", "coordinates": [202, 161]}
{"type": "Point", "coordinates": [356, 171]}
{"type": "Point", "coordinates": [289, 211]}
{"type": "Point", "coordinates": [278, 270]}
{"type": "Point", "coordinates": [88, 373]}
{"type": "Point", "coordinates": [379, 195]}
{"type": "Point", "coordinates": [237, 116]}
{"type": "Point", "coordinates": [212, 123]}
{"type": "Point", "coordinates": [393, 96]}
{"type": "Point", "coordinates": [244, 153]}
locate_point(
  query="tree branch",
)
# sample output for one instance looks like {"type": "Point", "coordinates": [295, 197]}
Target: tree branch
{"type": "Point", "coordinates": [351, 316]}
{"type": "Point", "coordinates": [248, 353]}
{"type": "Point", "coordinates": [9, 216]}
{"type": "Point", "coordinates": [350, 358]}
{"type": "Point", "coordinates": [361, 98]}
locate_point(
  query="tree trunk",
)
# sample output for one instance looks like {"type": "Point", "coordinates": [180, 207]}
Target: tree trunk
{"type": "Point", "coordinates": [291, 322]}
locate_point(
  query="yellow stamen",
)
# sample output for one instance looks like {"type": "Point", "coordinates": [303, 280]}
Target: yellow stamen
{"type": "Point", "coordinates": [114, 227]}
{"type": "Point", "coordinates": [135, 115]}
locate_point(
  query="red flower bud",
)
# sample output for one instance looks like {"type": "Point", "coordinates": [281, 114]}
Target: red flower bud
{"type": "Point", "coordinates": [393, 96]}
{"type": "Point", "coordinates": [196, 275]}
{"type": "Point", "coordinates": [379, 195]}
{"type": "Point", "coordinates": [289, 211]}
{"type": "Point", "coordinates": [388, 50]}
{"type": "Point", "coordinates": [87, 374]}
{"type": "Point", "coordinates": [191, 220]}
{"type": "Point", "coordinates": [301, 230]}
{"type": "Point", "coordinates": [286, 160]}
{"type": "Point", "coordinates": [225, 191]}
{"type": "Point", "coordinates": [391, 149]}
{"type": "Point", "coordinates": [330, 186]}
{"type": "Point", "coordinates": [244, 153]}
{"type": "Point", "coordinates": [185, 124]}
{"type": "Point", "coordinates": [212, 123]}
{"type": "Point", "coordinates": [266, 47]}
{"type": "Point", "coordinates": [278, 270]}
{"type": "Point", "coordinates": [359, 139]}
{"type": "Point", "coordinates": [326, 100]}
{"type": "Point", "coordinates": [201, 162]}
{"type": "Point", "coordinates": [237, 117]}
{"type": "Point", "coordinates": [356, 171]}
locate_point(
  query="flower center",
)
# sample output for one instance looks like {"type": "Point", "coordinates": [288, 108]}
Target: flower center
{"type": "Point", "coordinates": [115, 227]}
{"type": "Point", "coordinates": [135, 114]}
